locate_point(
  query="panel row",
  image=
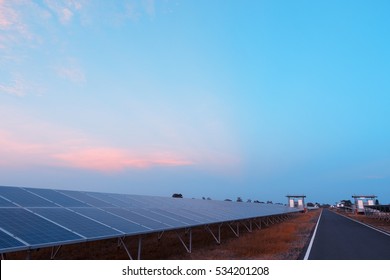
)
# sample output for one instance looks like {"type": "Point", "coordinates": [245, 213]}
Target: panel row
{"type": "Point", "coordinates": [33, 218]}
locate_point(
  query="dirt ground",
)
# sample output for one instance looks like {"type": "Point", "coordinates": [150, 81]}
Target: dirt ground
{"type": "Point", "coordinates": [286, 240]}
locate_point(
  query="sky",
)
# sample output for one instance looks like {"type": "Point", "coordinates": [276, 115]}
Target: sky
{"type": "Point", "coordinates": [220, 99]}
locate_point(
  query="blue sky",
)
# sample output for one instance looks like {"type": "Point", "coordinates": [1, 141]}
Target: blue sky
{"type": "Point", "coordinates": [257, 99]}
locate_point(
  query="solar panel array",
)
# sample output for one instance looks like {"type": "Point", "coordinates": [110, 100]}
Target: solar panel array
{"type": "Point", "coordinates": [34, 218]}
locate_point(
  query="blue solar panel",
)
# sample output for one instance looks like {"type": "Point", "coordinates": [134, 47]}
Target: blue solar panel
{"type": "Point", "coordinates": [161, 218]}
{"type": "Point", "coordinates": [84, 197]}
{"type": "Point", "coordinates": [44, 217]}
{"type": "Point", "coordinates": [115, 221]}
{"type": "Point", "coordinates": [178, 216]}
{"type": "Point", "coordinates": [7, 242]}
{"type": "Point", "coordinates": [150, 223]}
{"type": "Point", "coordinates": [58, 198]}
{"type": "Point", "coordinates": [77, 223]}
{"type": "Point", "coordinates": [24, 198]}
{"type": "Point", "coordinates": [33, 229]}
{"type": "Point", "coordinates": [110, 199]}
{"type": "Point", "coordinates": [131, 201]}
{"type": "Point", "coordinates": [5, 203]}
{"type": "Point", "coordinates": [198, 216]}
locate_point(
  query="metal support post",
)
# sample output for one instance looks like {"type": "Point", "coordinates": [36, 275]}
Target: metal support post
{"type": "Point", "coordinates": [236, 233]}
{"type": "Point", "coordinates": [258, 225]}
{"type": "Point", "coordinates": [139, 247]}
{"type": "Point", "coordinates": [54, 251]}
{"type": "Point", "coordinates": [160, 235]}
{"type": "Point", "coordinates": [249, 228]}
{"type": "Point", "coordinates": [189, 247]}
{"type": "Point", "coordinates": [217, 239]}
{"type": "Point", "coordinates": [28, 256]}
{"type": "Point", "coordinates": [121, 240]}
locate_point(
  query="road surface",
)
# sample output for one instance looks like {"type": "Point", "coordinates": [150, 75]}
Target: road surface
{"type": "Point", "coordinates": [339, 238]}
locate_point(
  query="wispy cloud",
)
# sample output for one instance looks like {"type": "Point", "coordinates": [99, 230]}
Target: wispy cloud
{"type": "Point", "coordinates": [109, 159]}
{"type": "Point", "coordinates": [71, 71]}
{"type": "Point", "coordinates": [26, 142]}
{"type": "Point", "coordinates": [136, 9]}
{"type": "Point", "coordinates": [149, 6]}
{"type": "Point", "coordinates": [64, 9]}
{"type": "Point", "coordinates": [17, 87]}
{"type": "Point", "coordinates": [17, 152]}
{"type": "Point", "coordinates": [12, 24]}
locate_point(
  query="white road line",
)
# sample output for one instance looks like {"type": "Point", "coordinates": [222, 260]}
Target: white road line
{"type": "Point", "coordinates": [312, 239]}
{"type": "Point", "coordinates": [371, 227]}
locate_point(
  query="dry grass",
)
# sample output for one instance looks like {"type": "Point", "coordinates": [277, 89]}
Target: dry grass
{"type": "Point", "coordinates": [285, 240]}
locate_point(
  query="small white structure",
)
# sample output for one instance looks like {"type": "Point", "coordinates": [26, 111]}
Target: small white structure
{"type": "Point", "coordinates": [363, 200]}
{"type": "Point", "coordinates": [296, 201]}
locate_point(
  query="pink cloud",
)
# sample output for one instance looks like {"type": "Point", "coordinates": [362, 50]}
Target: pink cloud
{"type": "Point", "coordinates": [18, 153]}
{"type": "Point", "coordinates": [7, 15]}
{"type": "Point", "coordinates": [113, 159]}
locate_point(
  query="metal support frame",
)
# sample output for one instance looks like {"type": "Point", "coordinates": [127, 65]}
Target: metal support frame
{"type": "Point", "coordinates": [217, 239]}
{"type": "Point", "coordinates": [160, 235]}
{"type": "Point", "coordinates": [189, 232]}
{"type": "Point", "coordinates": [3, 256]}
{"type": "Point", "coordinates": [265, 221]}
{"type": "Point", "coordinates": [121, 240]}
{"type": "Point", "coordinates": [249, 228]}
{"type": "Point", "coordinates": [236, 233]}
{"type": "Point", "coordinates": [28, 256]}
{"type": "Point", "coordinates": [54, 251]}
{"type": "Point", "coordinates": [258, 225]}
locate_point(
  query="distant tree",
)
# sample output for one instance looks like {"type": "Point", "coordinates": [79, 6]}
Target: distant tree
{"type": "Point", "coordinates": [310, 204]}
{"type": "Point", "coordinates": [227, 199]}
{"type": "Point", "coordinates": [269, 201]}
{"type": "Point", "coordinates": [239, 199]}
{"type": "Point", "coordinates": [208, 198]}
{"type": "Point", "coordinates": [177, 195]}
{"type": "Point", "coordinates": [203, 198]}
{"type": "Point", "coordinates": [249, 200]}
{"type": "Point", "coordinates": [256, 201]}
{"type": "Point", "coordinates": [347, 203]}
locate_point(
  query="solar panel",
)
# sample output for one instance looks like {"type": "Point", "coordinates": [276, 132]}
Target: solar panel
{"type": "Point", "coordinates": [110, 219]}
{"type": "Point", "coordinates": [109, 199]}
{"type": "Point", "coordinates": [84, 197]}
{"type": "Point", "coordinates": [7, 242]}
{"type": "Point", "coordinates": [77, 223]}
{"type": "Point", "coordinates": [33, 229]}
{"type": "Point", "coordinates": [176, 216]}
{"type": "Point", "coordinates": [131, 201]}
{"type": "Point", "coordinates": [161, 218]}
{"type": "Point", "coordinates": [24, 198]}
{"type": "Point", "coordinates": [58, 198]}
{"type": "Point", "coordinates": [45, 217]}
{"type": "Point", "coordinates": [198, 216]}
{"type": "Point", "coordinates": [5, 203]}
{"type": "Point", "coordinates": [136, 218]}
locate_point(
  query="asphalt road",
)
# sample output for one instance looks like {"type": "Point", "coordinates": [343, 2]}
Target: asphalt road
{"type": "Point", "coordinates": [339, 238]}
